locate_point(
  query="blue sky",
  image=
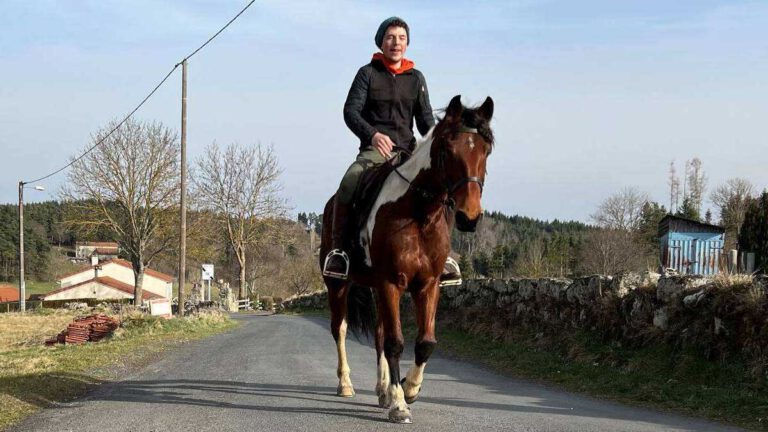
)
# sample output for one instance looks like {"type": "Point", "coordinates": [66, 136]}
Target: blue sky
{"type": "Point", "coordinates": [590, 96]}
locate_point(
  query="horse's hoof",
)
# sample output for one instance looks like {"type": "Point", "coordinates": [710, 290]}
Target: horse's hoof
{"type": "Point", "coordinates": [412, 399]}
{"type": "Point", "coordinates": [345, 391]}
{"type": "Point", "coordinates": [402, 416]}
{"type": "Point", "coordinates": [409, 399]}
{"type": "Point", "coordinates": [383, 403]}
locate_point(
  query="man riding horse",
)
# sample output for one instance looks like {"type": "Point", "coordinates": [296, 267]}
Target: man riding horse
{"type": "Point", "coordinates": [386, 96]}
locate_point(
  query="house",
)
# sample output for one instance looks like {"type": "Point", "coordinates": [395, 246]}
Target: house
{"type": "Point", "coordinates": [102, 287]}
{"type": "Point", "coordinates": [104, 251]}
{"type": "Point", "coordinates": [690, 247]}
{"type": "Point", "coordinates": [9, 293]}
{"type": "Point", "coordinates": [110, 280]}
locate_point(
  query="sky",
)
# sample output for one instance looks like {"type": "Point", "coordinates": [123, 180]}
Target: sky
{"type": "Point", "coordinates": [590, 96]}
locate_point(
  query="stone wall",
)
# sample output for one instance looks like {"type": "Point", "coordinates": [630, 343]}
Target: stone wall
{"type": "Point", "coordinates": [720, 317]}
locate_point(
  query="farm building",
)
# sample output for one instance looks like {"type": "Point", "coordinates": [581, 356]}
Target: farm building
{"type": "Point", "coordinates": [9, 293]}
{"type": "Point", "coordinates": [102, 287]}
{"type": "Point", "coordinates": [691, 247]}
{"type": "Point", "coordinates": [102, 250]}
{"type": "Point", "coordinates": [110, 278]}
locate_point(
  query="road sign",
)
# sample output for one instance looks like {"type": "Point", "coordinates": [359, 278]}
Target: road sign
{"type": "Point", "coordinates": [207, 272]}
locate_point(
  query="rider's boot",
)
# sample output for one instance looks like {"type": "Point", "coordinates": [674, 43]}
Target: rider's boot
{"type": "Point", "coordinates": [337, 261]}
{"type": "Point", "coordinates": [451, 273]}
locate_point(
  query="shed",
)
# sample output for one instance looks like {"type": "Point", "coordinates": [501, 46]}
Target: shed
{"type": "Point", "coordinates": [689, 246]}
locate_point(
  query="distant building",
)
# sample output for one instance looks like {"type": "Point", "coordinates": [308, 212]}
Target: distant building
{"type": "Point", "coordinates": [112, 279]}
{"type": "Point", "coordinates": [691, 247]}
{"type": "Point", "coordinates": [9, 293]}
{"type": "Point", "coordinates": [104, 251]}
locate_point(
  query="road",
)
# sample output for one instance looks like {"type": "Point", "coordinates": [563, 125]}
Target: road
{"type": "Point", "coordinates": [277, 373]}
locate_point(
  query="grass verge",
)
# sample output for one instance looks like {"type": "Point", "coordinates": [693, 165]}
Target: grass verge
{"type": "Point", "coordinates": [34, 376]}
{"type": "Point", "coordinates": [657, 377]}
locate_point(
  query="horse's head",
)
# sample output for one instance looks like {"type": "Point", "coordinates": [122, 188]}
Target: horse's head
{"type": "Point", "coordinates": [463, 141]}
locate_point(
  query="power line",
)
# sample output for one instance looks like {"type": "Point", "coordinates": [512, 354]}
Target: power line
{"type": "Point", "coordinates": [143, 100]}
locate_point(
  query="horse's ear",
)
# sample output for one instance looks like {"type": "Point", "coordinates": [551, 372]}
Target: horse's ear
{"type": "Point", "coordinates": [486, 109]}
{"type": "Point", "coordinates": [455, 108]}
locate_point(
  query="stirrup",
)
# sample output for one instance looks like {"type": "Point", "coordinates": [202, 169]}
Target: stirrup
{"type": "Point", "coordinates": [336, 275]}
{"type": "Point", "coordinates": [455, 272]}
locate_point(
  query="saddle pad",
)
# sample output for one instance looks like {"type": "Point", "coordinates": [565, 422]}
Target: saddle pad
{"type": "Point", "coordinates": [368, 187]}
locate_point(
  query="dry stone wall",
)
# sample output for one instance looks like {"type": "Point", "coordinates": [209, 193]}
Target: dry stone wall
{"type": "Point", "coordinates": [720, 317]}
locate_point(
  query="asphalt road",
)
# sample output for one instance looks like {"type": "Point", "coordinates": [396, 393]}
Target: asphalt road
{"type": "Point", "coordinates": [277, 373]}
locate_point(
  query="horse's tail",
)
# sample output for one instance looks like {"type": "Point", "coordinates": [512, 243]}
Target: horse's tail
{"type": "Point", "coordinates": [361, 311]}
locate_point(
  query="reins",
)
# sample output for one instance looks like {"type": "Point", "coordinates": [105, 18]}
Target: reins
{"type": "Point", "coordinates": [449, 189]}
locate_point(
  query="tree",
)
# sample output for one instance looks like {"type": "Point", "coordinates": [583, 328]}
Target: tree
{"type": "Point", "coordinates": [754, 231]}
{"type": "Point", "coordinates": [674, 187]}
{"type": "Point", "coordinates": [648, 229]}
{"type": "Point", "coordinates": [689, 210]}
{"type": "Point", "coordinates": [610, 251]}
{"type": "Point", "coordinates": [240, 188]}
{"type": "Point", "coordinates": [696, 183]}
{"type": "Point", "coordinates": [128, 185]}
{"type": "Point", "coordinates": [621, 211]}
{"type": "Point", "coordinates": [732, 199]}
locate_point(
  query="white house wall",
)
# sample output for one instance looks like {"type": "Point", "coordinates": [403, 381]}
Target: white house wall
{"type": "Point", "coordinates": [123, 274]}
{"type": "Point", "coordinates": [93, 290]}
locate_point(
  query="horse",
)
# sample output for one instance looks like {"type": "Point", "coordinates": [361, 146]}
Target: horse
{"type": "Point", "coordinates": [404, 243]}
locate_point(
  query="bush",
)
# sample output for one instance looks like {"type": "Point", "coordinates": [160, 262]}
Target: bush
{"type": "Point", "coordinates": [268, 303]}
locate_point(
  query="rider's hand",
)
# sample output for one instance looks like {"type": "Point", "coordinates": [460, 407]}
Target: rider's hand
{"type": "Point", "coordinates": [383, 144]}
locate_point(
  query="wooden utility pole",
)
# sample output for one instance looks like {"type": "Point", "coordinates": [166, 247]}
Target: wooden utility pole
{"type": "Point", "coordinates": [22, 286]}
{"type": "Point", "coordinates": [183, 199]}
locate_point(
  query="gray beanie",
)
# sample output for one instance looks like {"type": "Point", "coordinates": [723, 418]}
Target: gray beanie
{"type": "Point", "coordinates": [379, 39]}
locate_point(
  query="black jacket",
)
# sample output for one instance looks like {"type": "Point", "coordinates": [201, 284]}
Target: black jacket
{"type": "Point", "coordinates": [379, 101]}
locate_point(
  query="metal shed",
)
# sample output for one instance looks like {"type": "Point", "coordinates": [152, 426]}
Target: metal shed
{"type": "Point", "coordinates": [691, 247]}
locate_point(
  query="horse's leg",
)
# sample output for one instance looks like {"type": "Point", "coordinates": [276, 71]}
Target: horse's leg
{"type": "Point", "coordinates": [389, 316]}
{"type": "Point", "coordinates": [382, 375]}
{"type": "Point", "coordinates": [337, 298]}
{"type": "Point", "coordinates": [425, 302]}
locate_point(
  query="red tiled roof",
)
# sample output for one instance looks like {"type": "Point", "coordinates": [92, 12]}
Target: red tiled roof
{"type": "Point", "coordinates": [9, 293]}
{"type": "Point", "coordinates": [105, 251]}
{"type": "Point", "coordinates": [112, 283]}
{"type": "Point", "coordinates": [124, 263]}
{"type": "Point", "coordinates": [99, 244]}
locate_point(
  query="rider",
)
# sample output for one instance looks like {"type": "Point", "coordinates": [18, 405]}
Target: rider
{"type": "Point", "coordinates": [383, 101]}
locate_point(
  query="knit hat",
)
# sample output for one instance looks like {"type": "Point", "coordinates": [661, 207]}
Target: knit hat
{"type": "Point", "coordinates": [379, 39]}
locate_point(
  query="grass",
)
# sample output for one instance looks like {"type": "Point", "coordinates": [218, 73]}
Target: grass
{"type": "Point", "coordinates": [656, 377]}
{"type": "Point", "coordinates": [34, 376]}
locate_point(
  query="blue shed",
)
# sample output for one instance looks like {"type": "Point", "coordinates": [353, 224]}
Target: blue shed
{"type": "Point", "coordinates": [691, 247]}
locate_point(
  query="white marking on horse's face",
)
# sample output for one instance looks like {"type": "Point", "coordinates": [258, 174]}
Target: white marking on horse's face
{"type": "Point", "coordinates": [395, 187]}
{"type": "Point", "coordinates": [471, 143]}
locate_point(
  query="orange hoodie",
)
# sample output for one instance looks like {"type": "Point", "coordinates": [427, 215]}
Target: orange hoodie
{"type": "Point", "coordinates": [405, 64]}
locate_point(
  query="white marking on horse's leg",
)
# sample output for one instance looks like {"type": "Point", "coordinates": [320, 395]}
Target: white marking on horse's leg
{"type": "Point", "coordinates": [382, 381]}
{"type": "Point", "coordinates": [399, 412]}
{"type": "Point", "coordinates": [345, 388]}
{"type": "Point", "coordinates": [395, 187]}
{"type": "Point", "coordinates": [413, 381]}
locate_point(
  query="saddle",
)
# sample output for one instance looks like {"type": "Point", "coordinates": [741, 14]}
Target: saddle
{"type": "Point", "coordinates": [368, 187]}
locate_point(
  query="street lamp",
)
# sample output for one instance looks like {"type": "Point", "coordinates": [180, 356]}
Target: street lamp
{"type": "Point", "coordinates": [22, 286]}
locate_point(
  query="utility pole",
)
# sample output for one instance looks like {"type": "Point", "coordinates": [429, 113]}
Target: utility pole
{"type": "Point", "coordinates": [183, 199]}
{"type": "Point", "coordinates": [22, 287]}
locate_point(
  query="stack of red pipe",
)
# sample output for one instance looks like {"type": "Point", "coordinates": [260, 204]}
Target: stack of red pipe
{"type": "Point", "coordinates": [91, 328]}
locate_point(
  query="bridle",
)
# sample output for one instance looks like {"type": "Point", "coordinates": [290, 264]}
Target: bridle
{"type": "Point", "coordinates": [449, 189]}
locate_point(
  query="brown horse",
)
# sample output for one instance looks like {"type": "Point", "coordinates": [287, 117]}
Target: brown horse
{"type": "Point", "coordinates": [403, 247]}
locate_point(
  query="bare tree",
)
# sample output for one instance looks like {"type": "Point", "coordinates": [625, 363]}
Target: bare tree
{"type": "Point", "coordinates": [674, 187]}
{"type": "Point", "coordinates": [621, 211]}
{"type": "Point", "coordinates": [128, 184]}
{"type": "Point", "coordinates": [732, 199]}
{"type": "Point", "coordinates": [240, 187]}
{"type": "Point", "coordinates": [610, 251]}
{"type": "Point", "coordinates": [696, 181]}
